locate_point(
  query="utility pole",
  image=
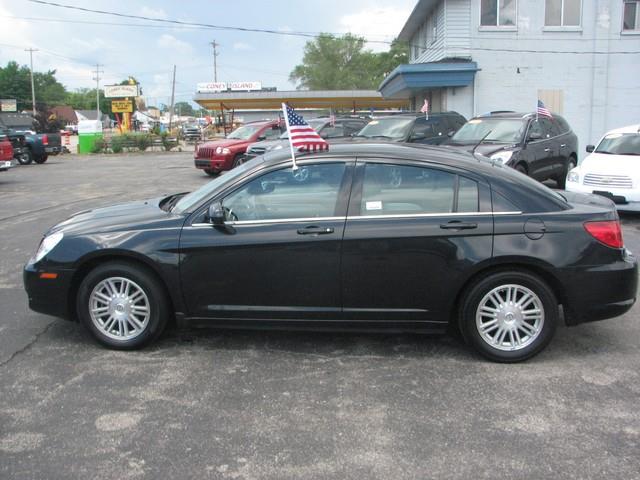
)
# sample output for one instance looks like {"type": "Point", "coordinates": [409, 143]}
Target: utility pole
{"type": "Point", "coordinates": [173, 95]}
{"type": "Point", "coordinates": [33, 88]}
{"type": "Point", "coordinates": [215, 60]}
{"type": "Point", "coordinates": [97, 79]}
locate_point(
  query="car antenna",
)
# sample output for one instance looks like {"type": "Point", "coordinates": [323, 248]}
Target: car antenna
{"type": "Point", "coordinates": [473, 152]}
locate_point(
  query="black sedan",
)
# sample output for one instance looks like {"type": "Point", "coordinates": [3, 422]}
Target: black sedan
{"type": "Point", "coordinates": [376, 237]}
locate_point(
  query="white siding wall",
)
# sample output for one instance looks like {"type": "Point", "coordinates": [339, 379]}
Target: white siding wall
{"type": "Point", "coordinates": [458, 28]}
{"type": "Point", "coordinates": [431, 36]}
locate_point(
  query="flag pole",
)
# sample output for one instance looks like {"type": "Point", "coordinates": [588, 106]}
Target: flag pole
{"type": "Point", "coordinates": [286, 121]}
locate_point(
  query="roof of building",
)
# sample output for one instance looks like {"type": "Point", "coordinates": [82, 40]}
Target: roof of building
{"type": "Point", "coordinates": [89, 114]}
{"type": "Point", "coordinates": [65, 113]}
{"type": "Point", "coordinates": [337, 99]}
{"type": "Point", "coordinates": [406, 78]}
{"type": "Point", "coordinates": [416, 19]}
{"type": "Point", "coordinates": [14, 120]}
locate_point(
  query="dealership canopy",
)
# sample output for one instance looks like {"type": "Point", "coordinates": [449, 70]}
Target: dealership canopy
{"type": "Point", "coordinates": [329, 99]}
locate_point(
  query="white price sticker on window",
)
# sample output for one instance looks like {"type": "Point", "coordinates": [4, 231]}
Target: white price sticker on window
{"type": "Point", "coordinates": [377, 205]}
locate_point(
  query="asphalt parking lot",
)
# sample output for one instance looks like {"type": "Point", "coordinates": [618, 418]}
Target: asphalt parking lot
{"type": "Point", "coordinates": [278, 405]}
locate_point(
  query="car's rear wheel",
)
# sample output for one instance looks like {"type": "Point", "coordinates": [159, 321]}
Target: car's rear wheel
{"type": "Point", "coordinates": [509, 316]}
{"type": "Point", "coordinates": [211, 173]}
{"type": "Point", "coordinates": [41, 159]}
{"type": "Point", "coordinates": [122, 305]}
{"type": "Point", "coordinates": [562, 179]}
{"type": "Point", "coordinates": [238, 160]}
{"type": "Point", "coordinates": [25, 158]}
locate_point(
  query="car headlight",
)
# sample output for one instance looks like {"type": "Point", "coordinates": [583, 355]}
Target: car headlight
{"type": "Point", "coordinates": [219, 150]}
{"type": "Point", "coordinates": [48, 243]}
{"type": "Point", "coordinates": [226, 151]}
{"type": "Point", "coordinates": [573, 177]}
{"type": "Point", "coordinates": [502, 157]}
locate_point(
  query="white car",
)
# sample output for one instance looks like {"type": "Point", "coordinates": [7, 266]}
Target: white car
{"type": "Point", "coordinates": [611, 169]}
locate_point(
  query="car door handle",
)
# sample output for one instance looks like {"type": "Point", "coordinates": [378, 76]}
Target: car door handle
{"type": "Point", "coordinates": [315, 230]}
{"type": "Point", "coordinates": [547, 149]}
{"type": "Point", "coordinates": [458, 225]}
{"type": "Point", "coordinates": [563, 145]}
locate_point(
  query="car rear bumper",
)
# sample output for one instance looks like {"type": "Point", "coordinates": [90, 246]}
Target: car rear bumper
{"type": "Point", "coordinates": [53, 150]}
{"type": "Point", "coordinates": [600, 292]}
{"type": "Point", "coordinates": [48, 295]}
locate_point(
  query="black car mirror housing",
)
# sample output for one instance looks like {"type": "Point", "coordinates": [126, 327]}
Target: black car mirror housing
{"type": "Point", "coordinates": [590, 148]}
{"type": "Point", "coordinates": [215, 214]}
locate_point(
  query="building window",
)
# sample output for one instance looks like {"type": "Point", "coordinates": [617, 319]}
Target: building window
{"type": "Point", "coordinates": [498, 13]}
{"type": "Point", "coordinates": [631, 18]}
{"type": "Point", "coordinates": [562, 13]}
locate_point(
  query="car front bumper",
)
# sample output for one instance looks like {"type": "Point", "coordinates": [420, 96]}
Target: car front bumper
{"type": "Point", "coordinates": [46, 294]}
{"type": "Point", "coordinates": [601, 291]}
{"type": "Point", "coordinates": [217, 164]}
{"type": "Point", "coordinates": [626, 199]}
{"type": "Point", "coordinates": [6, 165]}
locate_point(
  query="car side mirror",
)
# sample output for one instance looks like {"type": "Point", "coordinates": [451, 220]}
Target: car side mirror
{"type": "Point", "coordinates": [590, 148]}
{"type": "Point", "coordinates": [533, 136]}
{"type": "Point", "coordinates": [451, 133]}
{"type": "Point", "coordinates": [261, 138]}
{"type": "Point", "coordinates": [215, 214]}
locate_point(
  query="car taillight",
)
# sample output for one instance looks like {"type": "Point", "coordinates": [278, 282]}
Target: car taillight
{"type": "Point", "coordinates": [45, 140]}
{"type": "Point", "coordinates": [607, 232]}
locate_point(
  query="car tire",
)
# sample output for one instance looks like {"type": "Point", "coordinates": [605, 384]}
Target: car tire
{"type": "Point", "coordinates": [211, 173]}
{"type": "Point", "coordinates": [562, 179]}
{"type": "Point", "coordinates": [41, 159]}
{"type": "Point", "coordinates": [25, 158]}
{"type": "Point", "coordinates": [124, 306]}
{"type": "Point", "coordinates": [238, 160]}
{"type": "Point", "coordinates": [509, 316]}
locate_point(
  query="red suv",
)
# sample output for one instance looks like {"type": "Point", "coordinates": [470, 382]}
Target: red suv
{"type": "Point", "coordinates": [226, 153]}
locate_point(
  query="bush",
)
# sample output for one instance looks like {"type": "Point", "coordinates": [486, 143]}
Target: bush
{"type": "Point", "coordinates": [117, 144]}
{"type": "Point", "coordinates": [142, 141]}
{"type": "Point", "coordinates": [99, 146]}
{"type": "Point", "coordinates": [167, 143]}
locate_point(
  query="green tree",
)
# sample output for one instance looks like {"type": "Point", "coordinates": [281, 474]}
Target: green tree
{"type": "Point", "coordinates": [15, 82]}
{"type": "Point", "coordinates": [184, 108]}
{"type": "Point", "coordinates": [343, 63]}
{"type": "Point", "coordinates": [85, 99]}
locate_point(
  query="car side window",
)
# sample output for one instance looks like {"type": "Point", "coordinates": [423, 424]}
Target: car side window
{"type": "Point", "coordinates": [398, 189]}
{"type": "Point", "coordinates": [353, 127]}
{"type": "Point", "coordinates": [550, 127]}
{"type": "Point", "coordinates": [310, 191]}
{"type": "Point", "coordinates": [271, 133]}
{"type": "Point", "coordinates": [333, 131]}
{"type": "Point", "coordinates": [536, 128]}
{"type": "Point", "coordinates": [422, 129]}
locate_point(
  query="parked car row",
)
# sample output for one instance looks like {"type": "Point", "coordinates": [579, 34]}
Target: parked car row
{"type": "Point", "coordinates": [31, 147]}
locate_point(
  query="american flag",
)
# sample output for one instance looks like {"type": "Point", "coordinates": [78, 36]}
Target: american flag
{"type": "Point", "coordinates": [301, 135]}
{"type": "Point", "coordinates": [542, 110]}
{"type": "Point", "coordinates": [425, 108]}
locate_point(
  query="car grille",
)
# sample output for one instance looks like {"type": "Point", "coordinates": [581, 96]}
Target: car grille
{"type": "Point", "coordinates": [615, 181]}
{"type": "Point", "coordinates": [205, 152]}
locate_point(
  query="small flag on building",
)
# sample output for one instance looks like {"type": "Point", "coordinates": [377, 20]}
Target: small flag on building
{"type": "Point", "coordinates": [425, 109]}
{"type": "Point", "coordinates": [542, 110]}
{"type": "Point", "coordinates": [301, 135]}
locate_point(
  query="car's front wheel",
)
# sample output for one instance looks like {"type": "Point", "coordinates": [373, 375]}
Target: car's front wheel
{"type": "Point", "coordinates": [509, 316]}
{"type": "Point", "coordinates": [211, 173]}
{"type": "Point", "coordinates": [123, 306]}
{"type": "Point", "coordinates": [25, 158]}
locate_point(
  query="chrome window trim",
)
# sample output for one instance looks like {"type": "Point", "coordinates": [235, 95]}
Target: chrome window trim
{"type": "Point", "coordinates": [356, 217]}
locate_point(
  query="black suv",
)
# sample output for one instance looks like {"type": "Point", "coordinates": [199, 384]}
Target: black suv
{"type": "Point", "coordinates": [541, 147]}
{"type": "Point", "coordinates": [414, 128]}
{"type": "Point", "coordinates": [340, 128]}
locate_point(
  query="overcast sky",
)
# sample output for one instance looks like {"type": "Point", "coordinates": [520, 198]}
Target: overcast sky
{"type": "Point", "coordinates": [149, 52]}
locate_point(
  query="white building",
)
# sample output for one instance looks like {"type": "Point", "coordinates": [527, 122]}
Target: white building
{"type": "Point", "coordinates": [580, 57]}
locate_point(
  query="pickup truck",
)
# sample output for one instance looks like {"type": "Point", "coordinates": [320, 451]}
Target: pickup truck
{"type": "Point", "coordinates": [38, 146]}
{"type": "Point", "coordinates": [6, 153]}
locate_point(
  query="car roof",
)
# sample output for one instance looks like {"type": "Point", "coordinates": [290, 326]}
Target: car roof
{"type": "Point", "coordinates": [628, 129]}
{"type": "Point", "coordinates": [418, 115]}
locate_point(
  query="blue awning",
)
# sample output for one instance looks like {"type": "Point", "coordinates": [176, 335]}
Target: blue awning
{"type": "Point", "coordinates": [404, 80]}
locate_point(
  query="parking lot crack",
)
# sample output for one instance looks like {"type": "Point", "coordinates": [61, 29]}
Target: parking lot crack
{"type": "Point", "coordinates": [28, 345]}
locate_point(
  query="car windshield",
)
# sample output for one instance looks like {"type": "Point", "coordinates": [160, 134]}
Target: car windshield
{"type": "Point", "coordinates": [620, 144]}
{"type": "Point", "coordinates": [500, 130]}
{"type": "Point", "coordinates": [245, 132]}
{"type": "Point", "coordinates": [194, 198]}
{"type": "Point", "coordinates": [395, 128]}
{"type": "Point", "coordinates": [315, 124]}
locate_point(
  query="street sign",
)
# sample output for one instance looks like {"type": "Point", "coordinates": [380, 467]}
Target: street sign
{"type": "Point", "coordinates": [121, 106]}
{"type": "Point", "coordinates": [8, 105]}
{"type": "Point", "coordinates": [211, 87]}
{"type": "Point", "coordinates": [236, 86]}
{"type": "Point", "coordinates": [120, 91]}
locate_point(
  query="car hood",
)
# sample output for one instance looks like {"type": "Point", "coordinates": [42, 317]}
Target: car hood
{"type": "Point", "coordinates": [224, 142]}
{"type": "Point", "coordinates": [606, 164]}
{"type": "Point", "coordinates": [136, 215]}
{"type": "Point", "coordinates": [484, 149]}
